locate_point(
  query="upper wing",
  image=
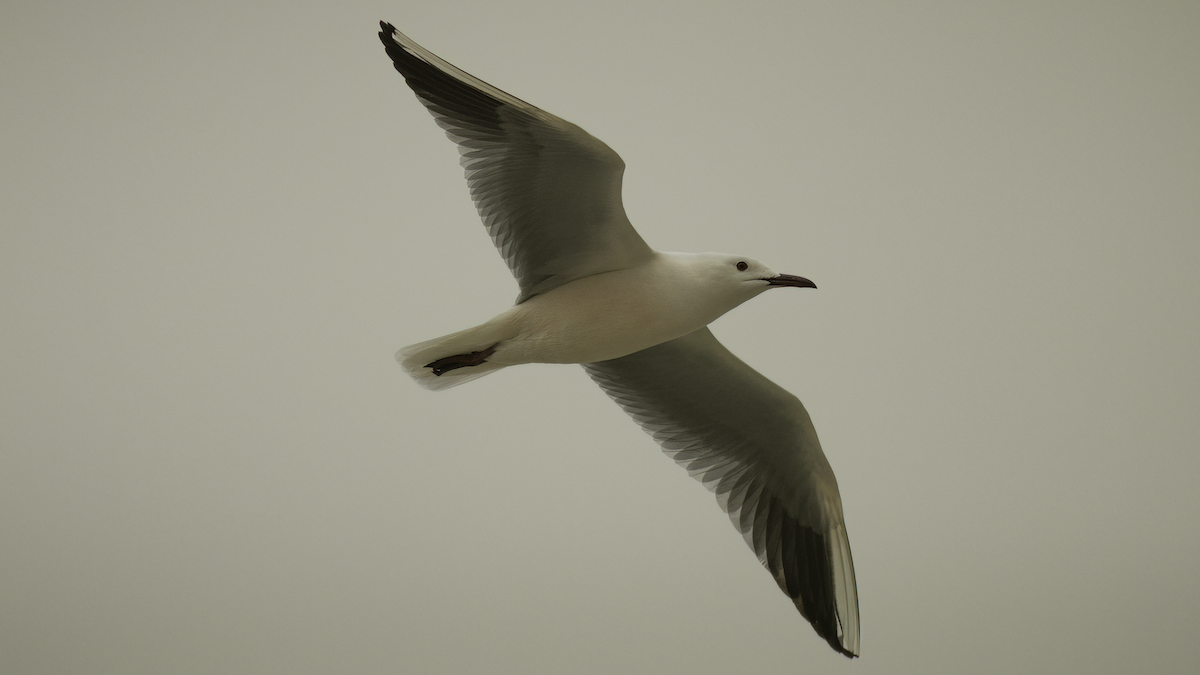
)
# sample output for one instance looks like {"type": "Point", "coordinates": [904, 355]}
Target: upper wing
{"type": "Point", "coordinates": [753, 444]}
{"type": "Point", "coordinates": [548, 192]}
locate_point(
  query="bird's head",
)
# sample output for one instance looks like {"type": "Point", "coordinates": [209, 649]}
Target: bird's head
{"type": "Point", "coordinates": [714, 283]}
{"type": "Point", "coordinates": [742, 278]}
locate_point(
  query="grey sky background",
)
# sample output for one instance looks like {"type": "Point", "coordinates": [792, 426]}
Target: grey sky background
{"type": "Point", "coordinates": [221, 220]}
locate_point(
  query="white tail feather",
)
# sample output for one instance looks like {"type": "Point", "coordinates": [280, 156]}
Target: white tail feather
{"type": "Point", "coordinates": [414, 358]}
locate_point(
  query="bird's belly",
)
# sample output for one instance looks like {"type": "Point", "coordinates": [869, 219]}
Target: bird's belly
{"type": "Point", "coordinates": [585, 323]}
{"type": "Point", "coordinates": [579, 343]}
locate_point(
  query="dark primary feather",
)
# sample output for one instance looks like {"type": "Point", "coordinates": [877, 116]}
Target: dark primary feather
{"type": "Point", "coordinates": [548, 192]}
{"type": "Point", "coordinates": [750, 442]}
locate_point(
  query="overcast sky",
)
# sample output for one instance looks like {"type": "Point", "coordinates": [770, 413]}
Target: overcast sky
{"type": "Point", "coordinates": [218, 221]}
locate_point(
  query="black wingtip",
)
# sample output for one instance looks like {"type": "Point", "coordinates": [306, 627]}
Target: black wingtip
{"type": "Point", "coordinates": [837, 646]}
{"type": "Point", "coordinates": [808, 579]}
{"type": "Point", "coordinates": [386, 31]}
{"type": "Point", "coordinates": [827, 629]}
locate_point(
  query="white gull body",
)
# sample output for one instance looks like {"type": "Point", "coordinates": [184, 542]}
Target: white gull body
{"type": "Point", "coordinates": [603, 316]}
{"type": "Point", "coordinates": [592, 292]}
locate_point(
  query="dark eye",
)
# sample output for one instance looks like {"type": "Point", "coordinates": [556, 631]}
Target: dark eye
{"type": "Point", "coordinates": [742, 265]}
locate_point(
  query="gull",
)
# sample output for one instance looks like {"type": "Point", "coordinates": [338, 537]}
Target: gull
{"type": "Point", "coordinates": [593, 292]}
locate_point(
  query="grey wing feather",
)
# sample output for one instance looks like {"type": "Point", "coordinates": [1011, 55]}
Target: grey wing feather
{"type": "Point", "coordinates": [548, 192]}
{"type": "Point", "coordinates": [753, 444]}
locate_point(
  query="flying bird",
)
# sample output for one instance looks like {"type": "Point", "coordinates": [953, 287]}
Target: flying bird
{"type": "Point", "coordinates": [593, 292]}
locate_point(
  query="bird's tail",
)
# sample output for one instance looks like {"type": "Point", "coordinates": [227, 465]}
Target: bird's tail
{"type": "Point", "coordinates": [417, 359]}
